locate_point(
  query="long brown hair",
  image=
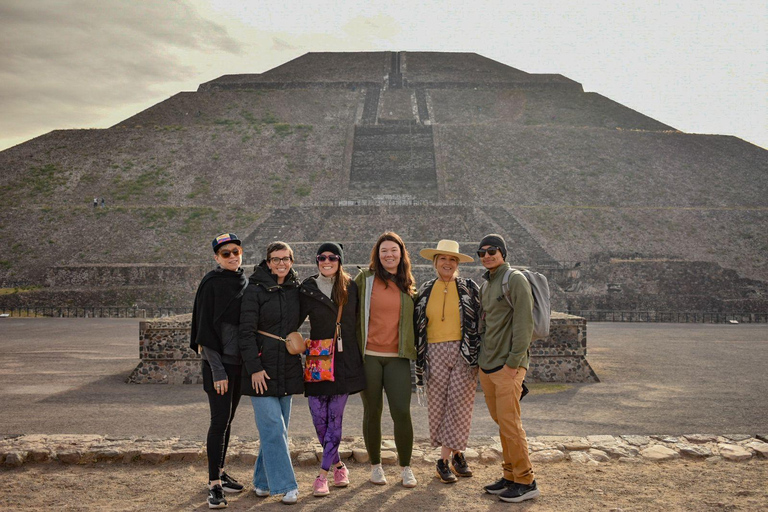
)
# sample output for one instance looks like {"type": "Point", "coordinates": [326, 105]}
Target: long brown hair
{"type": "Point", "coordinates": [340, 294]}
{"type": "Point", "coordinates": [404, 278]}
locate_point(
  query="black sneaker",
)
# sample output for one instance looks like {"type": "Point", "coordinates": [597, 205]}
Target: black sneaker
{"type": "Point", "coordinates": [520, 492]}
{"type": "Point", "coordinates": [216, 497]}
{"type": "Point", "coordinates": [229, 484]}
{"type": "Point", "coordinates": [499, 487]}
{"type": "Point", "coordinates": [444, 472]}
{"type": "Point", "coordinates": [460, 466]}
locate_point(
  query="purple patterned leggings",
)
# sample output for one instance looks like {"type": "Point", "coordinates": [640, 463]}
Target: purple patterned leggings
{"type": "Point", "coordinates": [327, 413]}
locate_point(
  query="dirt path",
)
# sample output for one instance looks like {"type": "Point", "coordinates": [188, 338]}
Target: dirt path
{"type": "Point", "coordinates": [641, 486]}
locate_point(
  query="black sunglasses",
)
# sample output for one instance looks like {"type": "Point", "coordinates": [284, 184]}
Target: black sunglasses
{"type": "Point", "coordinates": [226, 254]}
{"type": "Point", "coordinates": [331, 257]}
{"type": "Point", "coordinates": [491, 252]}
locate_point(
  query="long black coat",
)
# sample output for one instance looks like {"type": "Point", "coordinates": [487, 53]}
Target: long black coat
{"type": "Point", "coordinates": [273, 308]}
{"type": "Point", "coordinates": [349, 375]}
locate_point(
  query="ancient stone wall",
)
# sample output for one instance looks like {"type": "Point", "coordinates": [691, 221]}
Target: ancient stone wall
{"type": "Point", "coordinates": [167, 359]}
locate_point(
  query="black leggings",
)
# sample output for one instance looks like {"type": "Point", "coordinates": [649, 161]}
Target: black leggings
{"type": "Point", "coordinates": [222, 413]}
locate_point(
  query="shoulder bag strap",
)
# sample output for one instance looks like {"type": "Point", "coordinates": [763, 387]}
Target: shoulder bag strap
{"type": "Point", "coordinates": [337, 333]}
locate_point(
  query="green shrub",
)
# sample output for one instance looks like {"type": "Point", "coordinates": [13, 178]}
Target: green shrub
{"type": "Point", "coordinates": [282, 129]}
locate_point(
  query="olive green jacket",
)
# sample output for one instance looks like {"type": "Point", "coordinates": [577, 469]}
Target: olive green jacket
{"type": "Point", "coordinates": [506, 334]}
{"type": "Point", "coordinates": [406, 346]}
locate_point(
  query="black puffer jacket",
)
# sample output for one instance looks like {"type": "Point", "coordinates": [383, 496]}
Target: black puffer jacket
{"type": "Point", "coordinates": [349, 375]}
{"type": "Point", "coordinates": [273, 308]}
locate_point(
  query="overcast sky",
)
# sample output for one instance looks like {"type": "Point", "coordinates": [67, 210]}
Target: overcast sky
{"type": "Point", "coordinates": [700, 66]}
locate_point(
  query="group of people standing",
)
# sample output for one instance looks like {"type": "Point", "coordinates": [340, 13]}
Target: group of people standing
{"type": "Point", "coordinates": [367, 331]}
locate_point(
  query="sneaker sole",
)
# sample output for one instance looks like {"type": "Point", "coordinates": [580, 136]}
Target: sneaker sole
{"type": "Point", "coordinates": [443, 480]}
{"type": "Point", "coordinates": [460, 475]}
{"type": "Point", "coordinates": [409, 486]}
{"type": "Point", "coordinates": [261, 494]}
{"type": "Point", "coordinates": [341, 484]}
{"type": "Point", "coordinates": [527, 496]}
{"type": "Point", "coordinates": [320, 494]}
{"type": "Point", "coordinates": [220, 505]}
{"type": "Point", "coordinates": [232, 491]}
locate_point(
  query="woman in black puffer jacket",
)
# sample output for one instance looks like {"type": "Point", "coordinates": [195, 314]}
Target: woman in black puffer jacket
{"type": "Point", "coordinates": [270, 373]}
{"type": "Point", "coordinates": [321, 297]}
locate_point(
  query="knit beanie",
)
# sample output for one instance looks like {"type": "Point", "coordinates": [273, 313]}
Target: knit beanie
{"type": "Point", "coordinates": [495, 241]}
{"type": "Point", "coordinates": [333, 247]}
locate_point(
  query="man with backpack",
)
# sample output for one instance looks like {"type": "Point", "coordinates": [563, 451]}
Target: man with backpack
{"type": "Point", "coordinates": [507, 328]}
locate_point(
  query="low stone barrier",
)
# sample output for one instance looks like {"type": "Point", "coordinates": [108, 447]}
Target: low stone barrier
{"type": "Point", "coordinates": [165, 356]}
{"type": "Point", "coordinates": [591, 450]}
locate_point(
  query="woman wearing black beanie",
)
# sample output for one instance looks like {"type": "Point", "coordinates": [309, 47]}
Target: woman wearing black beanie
{"type": "Point", "coordinates": [322, 297]}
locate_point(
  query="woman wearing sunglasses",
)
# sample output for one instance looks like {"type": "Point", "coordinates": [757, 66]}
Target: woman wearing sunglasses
{"type": "Point", "coordinates": [215, 319]}
{"type": "Point", "coordinates": [270, 311]}
{"type": "Point", "coordinates": [447, 344]}
{"type": "Point", "coordinates": [386, 338]}
{"type": "Point", "coordinates": [322, 296]}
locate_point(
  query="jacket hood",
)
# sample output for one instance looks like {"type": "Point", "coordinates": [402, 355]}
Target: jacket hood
{"type": "Point", "coordinates": [263, 276]}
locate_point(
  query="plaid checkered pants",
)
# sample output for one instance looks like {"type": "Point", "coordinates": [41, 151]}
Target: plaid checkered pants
{"type": "Point", "coordinates": [451, 387]}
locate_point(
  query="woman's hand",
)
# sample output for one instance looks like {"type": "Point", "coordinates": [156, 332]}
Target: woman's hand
{"type": "Point", "coordinates": [259, 381]}
{"type": "Point", "coordinates": [221, 386]}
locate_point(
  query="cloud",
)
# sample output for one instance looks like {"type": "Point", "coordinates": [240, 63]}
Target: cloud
{"type": "Point", "coordinates": [280, 45]}
{"type": "Point", "coordinates": [72, 63]}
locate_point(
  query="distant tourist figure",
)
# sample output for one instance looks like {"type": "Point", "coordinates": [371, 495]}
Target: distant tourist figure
{"type": "Point", "coordinates": [447, 344]}
{"type": "Point", "coordinates": [504, 354]}
{"type": "Point", "coordinates": [386, 339]}
{"type": "Point", "coordinates": [95, 202]}
{"type": "Point", "coordinates": [102, 202]}
{"type": "Point", "coordinates": [215, 319]}
{"type": "Point", "coordinates": [327, 298]}
{"type": "Point", "coordinates": [270, 311]}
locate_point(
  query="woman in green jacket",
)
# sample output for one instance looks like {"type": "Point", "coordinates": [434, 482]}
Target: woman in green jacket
{"type": "Point", "coordinates": [386, 337]}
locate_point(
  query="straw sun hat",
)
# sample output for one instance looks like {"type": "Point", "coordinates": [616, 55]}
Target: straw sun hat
{"type": "Point", "coordinates": [449, 247]}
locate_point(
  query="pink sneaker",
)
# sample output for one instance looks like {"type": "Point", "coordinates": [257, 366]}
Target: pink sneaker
{"type": "Point", "coordinates": [321, 487]}
{"type": "Point", "coordinates": [340, 476]}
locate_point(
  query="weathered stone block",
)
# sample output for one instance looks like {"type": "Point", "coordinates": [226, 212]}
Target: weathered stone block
{"type": "Point", "coordinates": [360, 455]}
{"type": "Point", "coordinates": [734, 452]}
{"type": "Point", "coordinates": [547, 456]}
{"type": "Point", "coordinates": [659, 452]}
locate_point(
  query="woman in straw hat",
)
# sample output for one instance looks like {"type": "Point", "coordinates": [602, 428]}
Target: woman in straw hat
{"type": "Point", "coordinates": [447, 343]}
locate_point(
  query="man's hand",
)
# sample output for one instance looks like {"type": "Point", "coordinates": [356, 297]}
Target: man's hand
{"type": "Point", "coordinates": [509, 371]}
{"type": "Point", "coordinates": [259, 381]}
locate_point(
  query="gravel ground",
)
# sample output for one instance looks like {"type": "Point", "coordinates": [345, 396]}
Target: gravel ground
{"type": "Point", "coordinates": [640, 486]}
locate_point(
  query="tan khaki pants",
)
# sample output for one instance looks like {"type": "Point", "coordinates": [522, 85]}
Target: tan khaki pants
{"type": "Point", "coordinates": [502, 396]}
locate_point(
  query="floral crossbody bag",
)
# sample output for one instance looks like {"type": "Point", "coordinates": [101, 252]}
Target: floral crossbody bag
{"type": "Point", "coordinates": [319, 361]}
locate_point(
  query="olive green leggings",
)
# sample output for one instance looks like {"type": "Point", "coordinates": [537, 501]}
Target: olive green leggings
{"type": "Point", "coordinates": [392, 375]}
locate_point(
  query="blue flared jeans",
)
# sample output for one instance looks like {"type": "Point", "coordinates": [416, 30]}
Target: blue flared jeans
{"type": "Point", "coordinates": [273, 470]}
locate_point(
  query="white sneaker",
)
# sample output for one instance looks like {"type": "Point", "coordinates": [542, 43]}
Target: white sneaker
{"type": "Point", "coordinates": [408, 479]}
{"type": "Point", "coordinates": [377, 475]}
{"type": "Point", "coordinates": [291, 497]}
{"type": "Point", "coordinates": [261, 493]}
